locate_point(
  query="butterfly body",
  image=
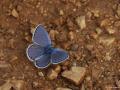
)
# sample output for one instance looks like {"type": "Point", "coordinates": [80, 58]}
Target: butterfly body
{"type": "Point", "coordinates": [41, 52]}
{"type": "Point", "coordinates": [49, 49]}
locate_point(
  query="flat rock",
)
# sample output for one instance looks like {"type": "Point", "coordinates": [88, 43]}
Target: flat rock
{"type": "Point", "coordinates": [76, 74]}
{"type": "Point", "coordinates": [61, 88]}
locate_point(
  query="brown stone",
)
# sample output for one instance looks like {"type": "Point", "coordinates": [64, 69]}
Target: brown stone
{"type": "Point", "coordinates": [76, 74]}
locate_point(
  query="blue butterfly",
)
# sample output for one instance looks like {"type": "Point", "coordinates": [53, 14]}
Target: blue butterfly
{"type": "Point", "coordinates": [41, 52]}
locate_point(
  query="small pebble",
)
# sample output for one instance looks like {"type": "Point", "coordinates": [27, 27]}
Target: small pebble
{"type": "Point", "coordinates": [41, 74]}
{"type": "Point", "coordinates": [52, 74]}
{"type": "Point", "coordinates": [108, 56]}
{"type": "Point", "coordinates": [98, 30]}
{"type": "Point", "coordinates": [61, 12]}
{"type": "Point", "coordinates": [88, 78]}
{"type": "Point", "coordinates": [71, 35]}
{"type": "Point", "coordinates": [15, 13]}
{"type": "Point", "coordinates": [14, 57]}
{"type": "Point", "coordinates": [96, 13]}
{"type": "Point", "coordinates": [81, 22]}
{"type": "Point", "coordinates": [27, 38]}
{"type": "Point", "coordinates": [58, 69]}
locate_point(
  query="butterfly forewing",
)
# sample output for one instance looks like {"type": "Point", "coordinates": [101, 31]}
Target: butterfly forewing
{"type": "Point", "coordinates": [34, 51]}
{"type": "Point", "coordinates": [41, 37]}
{"type": "Point", "coordinates": [42, 61]}
{"type": "Point", "coordinates": [58, 56]}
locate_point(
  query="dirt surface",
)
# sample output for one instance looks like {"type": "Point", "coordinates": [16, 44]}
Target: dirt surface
{"type": "Point", "coordinates": [88, 29]}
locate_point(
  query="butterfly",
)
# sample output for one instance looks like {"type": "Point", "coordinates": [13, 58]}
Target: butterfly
{"type": "Point", "coordinates": [41, 52]}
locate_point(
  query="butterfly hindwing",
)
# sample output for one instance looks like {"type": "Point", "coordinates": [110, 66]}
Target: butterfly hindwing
{"type": "Point", "coordinates": [58, 56]}
{"type": "Point", "coordinates": [42, 61]}
{"type": "Point", "coordinates": [34, 51]}
{"type": "Point", "coordinates": [41, 37]}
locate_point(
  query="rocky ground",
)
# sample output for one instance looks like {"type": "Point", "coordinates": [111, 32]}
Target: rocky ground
{"type": "Point", "coordinates": [88, 29]}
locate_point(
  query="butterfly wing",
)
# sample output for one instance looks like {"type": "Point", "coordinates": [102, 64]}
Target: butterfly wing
{"type": "Point", "coordinates": [58, 56]}
{"type": "Point", "coordinates": [41, 37]}
{"type": "Point", "coordinates": [42, 61]}
{"type": "Point", "coordinates": [33, 51]}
